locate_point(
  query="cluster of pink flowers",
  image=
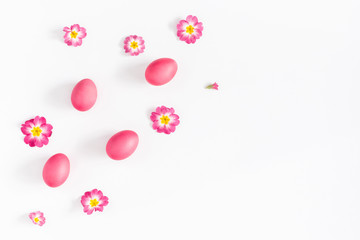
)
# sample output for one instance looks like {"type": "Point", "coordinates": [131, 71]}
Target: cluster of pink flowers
{"type": "Point", "coordinates": [37, 131]}
{"type": "Point", "coordinates": [93, 200]}
{"type": "Point", "coordinates": [188, 30]}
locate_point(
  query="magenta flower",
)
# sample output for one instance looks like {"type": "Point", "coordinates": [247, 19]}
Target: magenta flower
{"type": "Point", "coordinates": [74, 35]}
{"type": "Point", "coordinates": [190, 29]}
{"type": "Point", "coordinates": [37, 131]}
{"type": "Point", "coordinates": [94, 201]}
{"type": "Point", "coordinates": [213, 86]}
{"type": "Point", "coordinates": [37, 218]}
{"type": "Point", "coordinates": [134, 45]}
{"type": "Point", "coordinates": [164, 120]}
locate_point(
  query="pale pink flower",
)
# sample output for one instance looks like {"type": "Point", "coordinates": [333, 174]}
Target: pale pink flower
{"type": "Point", "coordinates": [37, 218]}
{"type": "Point", "coordinates": [134, 45]}
{"type": "Point", "coordinates": [213, 86]}
{"type": "Point", "coordinates": [37, 131]}
{"type": "Point", "coordinates": [165, 120]}
{"type": "Point", "coordinates": [94, 201]}
{"type": "Point", "coordinates": [190, 29]}
{"type": "Point", "coordinates": [74, 35]}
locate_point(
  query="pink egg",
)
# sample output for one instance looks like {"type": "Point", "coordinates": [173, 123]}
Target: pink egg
{"type": "Point", "coordinates": [56, 170]}
{"type": "Point", "coordinates": [161, 71]}
{"type": "Point", "coordinates": [84, 95]}
{"type": "Point", "coordinates": [122, 145]}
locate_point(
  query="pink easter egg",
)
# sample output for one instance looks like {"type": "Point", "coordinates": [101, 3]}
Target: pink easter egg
{"type": "Point", "coordinates": [122, 145]}
{"type": "Point", "coordinates": [56, 170]}
{"type": "Point", "coordinates": [161, 71]}
{"type": "Point", "coordinates": [84, 95]}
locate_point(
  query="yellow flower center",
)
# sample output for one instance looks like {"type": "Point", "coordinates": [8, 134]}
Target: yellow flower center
{"type": "Point", "coordinates": [36, 131]}
{"type": "Point", "coordinates": [134, 45]}
{"type": "Point", "coordinates": [73, 34]}
{"type": "Point", "coordinates": [164, 119]}
{"type": "Point", "coordinates": [94, 202]}
{"type": "Point", "coordinates": [190, 29]}
{"type": "Point", "coordinates": [36, 220]}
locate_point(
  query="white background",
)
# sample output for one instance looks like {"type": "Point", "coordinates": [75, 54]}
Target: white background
{"type": "Point", "coordinates": [274, 154]}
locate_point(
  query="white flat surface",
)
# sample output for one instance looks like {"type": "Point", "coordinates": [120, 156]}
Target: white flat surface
{"type": "Point", "coordinates": [274, 154]}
